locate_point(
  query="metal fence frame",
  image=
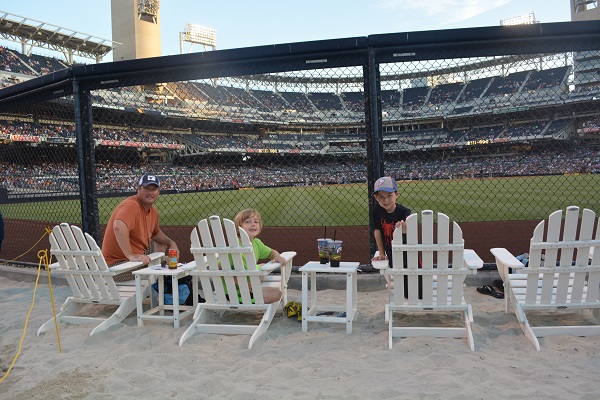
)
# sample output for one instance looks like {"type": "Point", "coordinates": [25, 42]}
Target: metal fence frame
{"type": "Point", "coordinates": [366, 52]}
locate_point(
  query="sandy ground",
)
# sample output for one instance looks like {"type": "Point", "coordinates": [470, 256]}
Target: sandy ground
{"type": "Point", "coordinates": [131, 362]}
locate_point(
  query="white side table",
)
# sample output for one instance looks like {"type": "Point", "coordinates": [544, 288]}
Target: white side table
{"type": "Point", "coordinates": [310, 310]}
{"type": "Point", "coordinates": [178, 311]}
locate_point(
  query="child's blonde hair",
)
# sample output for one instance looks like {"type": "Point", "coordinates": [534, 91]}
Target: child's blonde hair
{"type": "Point", "coordinates": [244, 215]}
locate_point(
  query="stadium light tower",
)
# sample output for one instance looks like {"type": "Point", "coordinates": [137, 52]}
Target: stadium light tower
{"type": "Point", "coordinates": [526, 19]}
{"type": "Point", "coordinates": [198, 34]}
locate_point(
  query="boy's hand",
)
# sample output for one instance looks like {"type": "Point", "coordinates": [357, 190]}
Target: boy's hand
{"type": "Point", "coordinates": [402, 225]}
{"type": "Point", "coordinates": [379, 257]}
{"type": "Point", "coordinates": [280, 260]}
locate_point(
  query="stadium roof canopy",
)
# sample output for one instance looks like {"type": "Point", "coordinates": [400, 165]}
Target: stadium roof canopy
{"type": "Point", "coordinates": [32, 33]}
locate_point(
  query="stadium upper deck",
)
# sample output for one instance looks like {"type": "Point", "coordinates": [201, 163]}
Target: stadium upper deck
{"type": "Point", "coordinates": [524, 105]}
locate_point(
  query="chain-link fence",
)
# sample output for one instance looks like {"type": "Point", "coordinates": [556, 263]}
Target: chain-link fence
{"type": "Point", "coordinates": [495, 127]}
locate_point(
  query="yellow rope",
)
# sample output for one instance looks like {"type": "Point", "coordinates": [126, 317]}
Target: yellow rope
{"type": "Point", "coordinates": [47, 232]}
{"type": "Point", "coordinates": [26, 322]}
{"type": "Point", "coordinates": [46, 259]}
{"type": "Point", "coordinates": [43, 256]}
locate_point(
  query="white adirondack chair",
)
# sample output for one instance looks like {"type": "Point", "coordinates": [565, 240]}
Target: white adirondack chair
{"type": "Point", "coordinates": [442, 263]}
{"type": "Point", "coordinates": [80, 260]}
{"type": "Point", "coordinates": [563, 273]}
{"type": "Point", "coordinates": [227, 284]}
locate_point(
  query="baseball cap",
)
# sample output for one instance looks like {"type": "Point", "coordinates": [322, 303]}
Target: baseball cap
{"type": "Point", "coordinates": [148, 179]}
{"type": "Point", "coordinates": [386, 184]}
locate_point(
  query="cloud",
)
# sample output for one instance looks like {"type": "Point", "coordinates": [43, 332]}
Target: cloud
{"type": "Point", "coordinates": [445, 12]}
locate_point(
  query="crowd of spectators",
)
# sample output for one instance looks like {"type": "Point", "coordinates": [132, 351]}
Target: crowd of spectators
{"type": "Point", "coordinates": [117, 177]}
{"type": "Point", "coordinates": [67, 131]}
{"type": "Point", "coordinates": [511, 131]}
{"type": "Point", "coordinates": [34, 65]}
{"type": "Point", "coordinates": [22, 128]}
{"type": "Point", "coordinates": [11, 63]}
{"type": "Point", "coordinates": [309, 107]}
{"type": "Point", "coordinates": [202, 141]}
{"type": "Point", "coordinates": [285, 143]}
{"type": "Point", "coordinates": [354, 101]}
{"type": "Point", "coordinates": [326, 101]}
{"type": "Point", "coordinates": [444, 93]}
{"type": "Point", "coordinates": [414, 97]}
{"type": "Point", "coordinates": [474, 89]}
{"type": "Point", "coordinates": [509, 84]}
{"type": "Point", "coordinates": [546, 78]}
{"type": "Point", "coordinates": [579, 160]}
{"type": "Point", "coordinates": [592, 125]}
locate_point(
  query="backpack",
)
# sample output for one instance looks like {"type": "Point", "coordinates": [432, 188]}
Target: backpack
{"type": "Point", "coordinates": [185, 291]}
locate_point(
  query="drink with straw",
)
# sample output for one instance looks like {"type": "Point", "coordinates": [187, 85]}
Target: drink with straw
{"type": "Point", "coordinates": [323, 246]}
{"type": "Point", "coordinates": [335, 253]}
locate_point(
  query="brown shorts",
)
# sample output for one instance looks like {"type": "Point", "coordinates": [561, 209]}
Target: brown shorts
{"type": "Point", "coordinates": [125, 276]}
{"type": "Point", "coordinates": [128, 276]}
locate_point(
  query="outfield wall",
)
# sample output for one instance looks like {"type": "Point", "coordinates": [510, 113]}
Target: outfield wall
{"type": "Point", "coordinates": [479, 236]}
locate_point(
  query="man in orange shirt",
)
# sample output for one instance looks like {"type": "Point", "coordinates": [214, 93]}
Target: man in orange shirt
{"type": "Point", "coordinates": [134, 224]}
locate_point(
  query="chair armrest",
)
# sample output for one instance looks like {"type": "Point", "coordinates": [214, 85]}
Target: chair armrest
{"type": "Point", "coordinates": [272, 265]}
{"type": "Point", "coordinates": [155, 258]}
{"type": "Point", "coordinates": [380, 264]}
{"type": "Point", "coordinates": [505, 260]}
{"type": "Point", "coordinates": [130, 265]}
{"type": "Point", "coordinates": [189, 266]}
{"type": "Point", "coordinates": [157, 255]}
{"type": "Point", "coordinates": [288, 255]}
{"type": "Point", "coordinates": [55, 265]}
{"type": "Point", "coordinates": [126, 266]}
{"type": "Point", "coordinates": [472, 260]}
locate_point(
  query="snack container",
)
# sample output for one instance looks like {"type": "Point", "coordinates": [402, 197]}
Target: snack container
{"type": "Point", "coordinates": [172, 258]}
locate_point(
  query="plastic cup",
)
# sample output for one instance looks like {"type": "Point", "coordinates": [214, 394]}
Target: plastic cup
{"type": "Point", "coordinates": [335, 253]}
{"type": "Point", "coordinates": [323, 247]}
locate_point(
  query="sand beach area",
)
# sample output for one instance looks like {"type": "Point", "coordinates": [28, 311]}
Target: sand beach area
{"type": "Point", "coordinates": [131, 362]}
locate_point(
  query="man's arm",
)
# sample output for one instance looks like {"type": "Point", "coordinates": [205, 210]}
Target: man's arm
{"type": "Point", "coordinates": [166, 241]}
{"type": "Point", "coordinates": [122, 235]}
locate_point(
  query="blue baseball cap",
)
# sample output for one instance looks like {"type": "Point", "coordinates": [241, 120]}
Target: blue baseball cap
{"type": "Point", "coordinates": [148, 179]}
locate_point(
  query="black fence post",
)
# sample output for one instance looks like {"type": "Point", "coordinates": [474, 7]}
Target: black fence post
{"type": "Point", "coordinates": [373, 122]}
{"type": "Point", "coordinates": [86, 161]}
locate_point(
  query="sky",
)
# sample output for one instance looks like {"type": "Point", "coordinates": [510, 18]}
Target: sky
{"type": "Point", "coordinates": [244, 23]}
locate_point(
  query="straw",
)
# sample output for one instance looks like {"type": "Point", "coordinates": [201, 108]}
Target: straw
{"type": "Point", "coordinates": [325, 233]}
{"type": "Point", "coordinates": [334, 232]}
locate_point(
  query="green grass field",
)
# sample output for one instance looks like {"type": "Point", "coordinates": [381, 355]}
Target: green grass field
{"type": "Point", "coordinates": [496, 199]}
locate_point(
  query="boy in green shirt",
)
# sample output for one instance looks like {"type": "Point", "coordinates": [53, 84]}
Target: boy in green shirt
{"type": "Point", "coordinates": [251, 222]}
